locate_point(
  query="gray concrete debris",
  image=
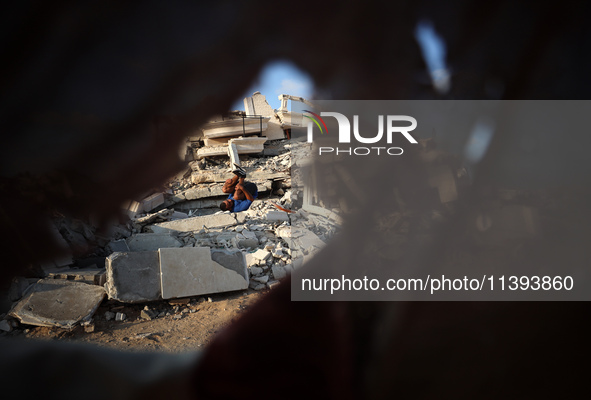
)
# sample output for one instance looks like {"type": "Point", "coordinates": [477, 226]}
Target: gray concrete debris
{"type": "Point", "coordinates": [261, 279]}
{"type": "Point", "coordinates": [195, 223]}
{"type": "Point", "coordinates": [178, 215]}
{"type": "Point", "coordinates": [233, 260]}
{"type": "Point", "coordinates": [233, 153]}
{"type": "Point", "coordinates": [256, 285]}
{"type": "Point", "coordinates": [133, 277]}
{"type": "Point", "coordinates": [117, 245]}
{"type": "Point", "coordinates": [190, 271]}
{"type": "Point", "coordinates": [91, 275]}
{"type": "Point", "coordinates": [152, 241]}
{"type": "Point", "coordinates": [152, 201]}
{"type": "Point", "coordinates": [277, 216]}
{"type": "Point", "coordinates": [120, 316]}
{"type": "Point", "coordinates": [278, 272]}
{"type": "Point", "coordinates": [256, 271]}
{"type": "Point", "coordinates": [52, 302]}
{"type": "Point", "coordinates": [160, 216]}
{"type": "Point", "coordinates": [248, 243]}
{"type": "Point", "coordinates": [261, 254]}
{"type": "Point", "coordinates": [109, 315]}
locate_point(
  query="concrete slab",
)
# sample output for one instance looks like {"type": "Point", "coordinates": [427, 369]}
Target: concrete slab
{"type": "Point", "coordinates": [195, 223]}
{"type": "Point", "coordinates": [152, 201]}
{"type": "Point", "coordinates": [53, 302]}
{"type": "Point", "coordinates": [152, 241]}
{"type": "Point", "coordinates": [233, 153]}
{"type": "Point", "coordinates": [191, 271]}
{"type": "Point", "coordinates": [233, 260]}
{"type": "Point", "coordinates": [92, 275]}
{"type": "Point", "coordinates": [117, 245]}
{"type": "Point", "coordinates": [277, 216]}
{"type": "Point", "coordinates": [133, 277]}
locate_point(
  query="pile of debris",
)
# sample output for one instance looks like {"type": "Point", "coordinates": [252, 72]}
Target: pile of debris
{"type": "Point", "coordinates": [177, 244]}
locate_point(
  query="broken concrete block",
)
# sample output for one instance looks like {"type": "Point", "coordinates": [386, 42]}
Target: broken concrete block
{"type": "Point", "coordinates": [233, 260]}
{"type": "Point", "coordinates": [246, 243]}
{"type": "Point", "coordinates": [256, 285]}
{"type": "Point", "coordinates": [261, 279]}
{"type": "Point", "coordinates": [240, 217]}
{"type": "Point", "coordinates": [249, 235]}
{"type": "Point", "coordinates": [202, 192]}
{"type": "Point", "coordinates": [178, 215]}
{"type": "Point", "coordinates": [152, 241]}
{"type": "Point", "coordinates": [195, 223]}
{"type": "Point", "coordinates": [277, 253]}
{"type": "Point", "coordinates": [261, 254]}
{"type": "Point", "coordinates": [233, 153]}
{"type": "Point", "coordinates": [277, 216]}
{"type": "Point", "coordinates": [120, 316]}
{"type": "Point", "coordinates": [91, 275]}
{"type": "Point", "coordinates": [191, 271]}
{"type": "Point", "coordinates": [109, 315]}
{"type": "Point", "coordinates": [133, 277]}
{"type": "Point", "coordinates": [278, 272]}
{"type": "Point", "coordinates": [152, 201]}
{"type": "Point", "coordinates": [117, 245]}
{"type": "Point", "coordinates": [256, 271]}
{"type": "Point", "coordinates": [53, 302]}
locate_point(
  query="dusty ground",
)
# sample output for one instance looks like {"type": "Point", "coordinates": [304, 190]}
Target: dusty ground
{"type": "Point", "coordinates": [181, 328]}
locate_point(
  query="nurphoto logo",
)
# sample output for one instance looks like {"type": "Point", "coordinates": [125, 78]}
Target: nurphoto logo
{"type": "Point", "coordinates": [392, 127]}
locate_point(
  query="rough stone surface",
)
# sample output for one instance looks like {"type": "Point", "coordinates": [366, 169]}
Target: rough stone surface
{"type": "Point", "coordinates": [233, 260]}
{"type": "Point", "coordinates": [256, 270]}
{"type": "Point", "coordinates": [277, 216]}
{"type": "Point", "coordinates": [152, 241]}
{"type": "Point", "coordinates": [92, 275]}
{"type": "Point", "coordinates": [278, 272]}
{"type": "Point", "coordinates": [248, 243]}
{"type": "Point", "coordinates": [54, 302]}
{"type": "Point", "coordinates": [133, 277]}
{"type": "Point", "coordinates": [118, 245]}
{"type": "Point", "coordinates": [261, 254]}
{"type": "Point", "coordinates": [190, 271]}
{"type": "Point", "coordinates": [195, 223]}
{"type": "Point", "coordinates": [153, 201]}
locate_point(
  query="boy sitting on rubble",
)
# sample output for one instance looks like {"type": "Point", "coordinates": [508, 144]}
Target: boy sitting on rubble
{"type": "Point", "coordinates": [242, 193]}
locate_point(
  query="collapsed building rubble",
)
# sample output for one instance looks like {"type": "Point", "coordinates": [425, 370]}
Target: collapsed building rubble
{"type": "Point", "coordinates": [174, 242]}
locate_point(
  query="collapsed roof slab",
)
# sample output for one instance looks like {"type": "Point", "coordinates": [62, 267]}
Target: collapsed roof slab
{"type": "Point", "coordinates": [235, 127]}
{"type": "Point", "coordinates": [244, 145]}
{"type": "Point", "coordinates": [56, 302]}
